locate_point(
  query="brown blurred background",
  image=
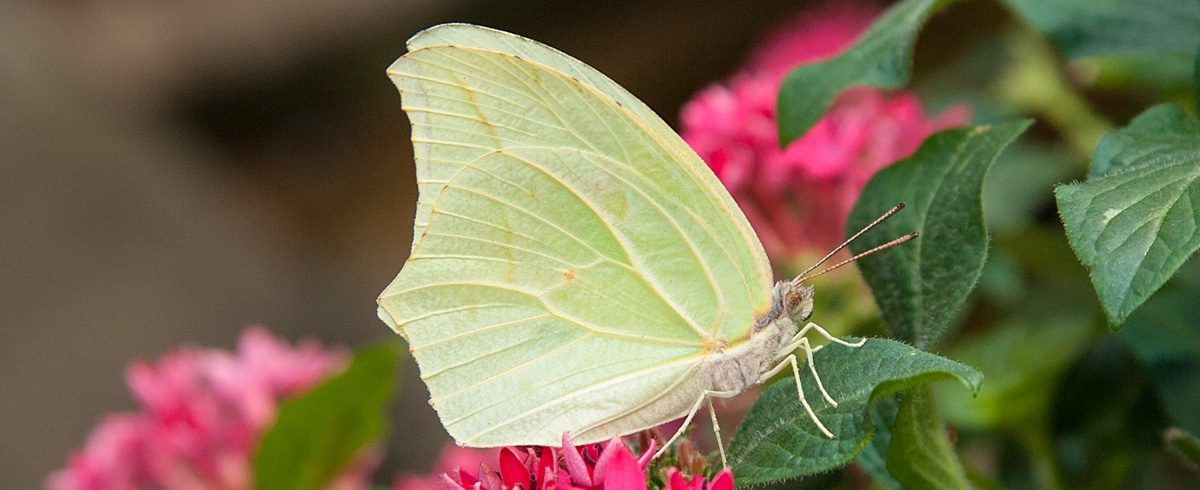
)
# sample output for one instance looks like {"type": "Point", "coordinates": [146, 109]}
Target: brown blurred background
{"type": "Point", "coordinates": [172, 171]}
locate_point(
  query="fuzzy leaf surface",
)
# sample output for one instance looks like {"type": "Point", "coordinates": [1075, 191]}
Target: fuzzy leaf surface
{"type": "Point", "coordinates": [777, 440]}
{"type": "Point", "coordinates": [1137, 218]}
{"type": "Point", "coordinates": [921, 286]}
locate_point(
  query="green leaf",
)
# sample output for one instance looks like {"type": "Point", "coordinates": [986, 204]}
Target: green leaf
{"type": "Point", "coordinates": [777, 440]}
{"type": "Point", "coordinates": [1083, 28]}
{"type": "Point", "coordinates": [921, 286]}
{"type": "Point", "coordinates": [317, 434]}
{"type": "Point", "coordinates": [1162, 134]}
{"type": "Point", "coordinates": [920, 455]}
{"type": "Point", "coordinates": [1134, 222]}
{"type": "Point", "coordinates": [873, 459]}
{"type": "Point", "coordinates": [1186, 445]}
{"type": "Point", "coordinates": [882, 57]}
{"type": "Point", "coordinates": [1023, 360]}
{"type": "Point", "coordinates": [1166, 336]}
{"type": "Point", "coordinates": [1196, 82]}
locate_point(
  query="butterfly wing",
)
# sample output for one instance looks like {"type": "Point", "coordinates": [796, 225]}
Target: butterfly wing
{"type": "Point", "coordinates": [573, 259]}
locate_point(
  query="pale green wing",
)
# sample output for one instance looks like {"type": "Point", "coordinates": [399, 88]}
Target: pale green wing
{"type": "Point", "coordinates": [573, 258]}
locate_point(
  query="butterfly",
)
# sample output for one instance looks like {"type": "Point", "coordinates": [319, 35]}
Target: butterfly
{"type": "Point", "coordinates": [575, 267]}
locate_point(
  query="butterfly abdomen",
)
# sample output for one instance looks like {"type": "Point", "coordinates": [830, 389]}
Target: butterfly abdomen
{"type": "Point", "coordinates": [738, 368]}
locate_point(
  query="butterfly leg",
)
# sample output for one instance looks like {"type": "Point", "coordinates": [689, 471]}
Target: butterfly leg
{"type": "Point", "coordinates": [812, 367]}
{"type": "Point", "coordinates": [796, 342]}
{"type": "Point", "coordinates": [800, 342]}
{"type": "Point", "coordinates": [803, 344]}
{"type": "Point", "coordinates": [705, 396]}
{"type": "Point", "coordinates": [824, 333]}
{"type": "Point", "coordinates": [790, 360]}
{"type": "Point", "coordinates": [717, 433]}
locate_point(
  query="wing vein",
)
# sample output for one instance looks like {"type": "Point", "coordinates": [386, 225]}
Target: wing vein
{"type": "Point", "coordinates": [485, 223]}
{"type": "Point", "coordinates": [670, 389]}
{"type": "Point", "coordinates": [511, 370]}
{"type": "Point", "coordinates": [451, 310]}
{"type": "Point", "coordinates": [479, 330]}
{"type": "Point", "coordinates": [514, 206]}
{"type": "Point", "coordinates": [641, 372]}
{"type": "Point", "coordinates": [502, 245]}
{"type": "Point", "coordinates": [714, 191]}
{"type": "Point", "coordinates": [621, 240]}
{"type": "Point", "coordinates": [484, 106]}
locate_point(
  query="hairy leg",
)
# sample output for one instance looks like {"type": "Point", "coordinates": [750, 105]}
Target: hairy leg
{"type": "Point", "coordinates": [705, 396]}
{"type": "Point", "coordinates": [790, 360]}
{"type": "Point", "coordinates": [799, 341]}
{"type": "Point", "coordinates": [824, 333]}
{"type": "Point", "coordinates": [717, 434]}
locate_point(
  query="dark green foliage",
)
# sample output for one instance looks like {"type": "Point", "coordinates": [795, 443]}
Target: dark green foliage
{"type": "Point", "coordinates": [1134, 222]}
{"type": "Point", "coordinates": [921, 287]}
{"type": "Point", "coordinates": [778, 441]}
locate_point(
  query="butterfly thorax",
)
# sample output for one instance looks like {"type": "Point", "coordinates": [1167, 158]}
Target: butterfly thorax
{"type": "Point", "coordinates": [740, 365]}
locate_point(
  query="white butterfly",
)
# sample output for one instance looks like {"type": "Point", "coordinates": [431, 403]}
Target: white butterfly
{"type": "Point", "coordinates": [575, 267]}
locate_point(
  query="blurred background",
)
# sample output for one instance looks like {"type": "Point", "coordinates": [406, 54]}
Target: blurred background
{"type": "Point", "coordinates": [173, 171]}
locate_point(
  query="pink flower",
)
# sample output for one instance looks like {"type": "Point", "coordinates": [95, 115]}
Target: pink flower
{"type": "Point", "coordinates": [201, 412]}
{"type": "Point", "coordinates": [451, 461]}
{"type": "Point", "coordinates": [676, 481]}
{"type": "Point", "coordinates": [609, 466]}
{"type": "Point", "coordinates": [797, 198]}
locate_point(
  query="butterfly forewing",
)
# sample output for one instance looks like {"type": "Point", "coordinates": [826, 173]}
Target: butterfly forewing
{"type": "Point", "coordinates": [572, 259]}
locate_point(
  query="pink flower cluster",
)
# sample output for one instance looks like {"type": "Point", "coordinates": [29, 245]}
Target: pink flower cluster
{"type": "Point", "coordinates": [452, 461]}
{"type": "Point", "coordinates": [201, 413]}
{"type": "Point", "coordinates": [611, 466]}
{"type": "Point", "coordinates": [797, 198]}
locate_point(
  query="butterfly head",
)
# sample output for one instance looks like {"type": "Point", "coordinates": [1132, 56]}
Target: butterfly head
{"type": "Point", "coordinates": [788, 299]}
{"type": "Point", "coordinates": [797, 302]}
{"type": "Point", "coordinates": [794, 299]}
{"type": "Point", "coordinates": [800, 303]}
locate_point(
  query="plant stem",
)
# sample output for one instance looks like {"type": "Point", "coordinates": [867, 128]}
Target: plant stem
{"type": "Point", "coordinates": [1040, 447]}
{"type": "Point", "coordinates": [1034, 82]}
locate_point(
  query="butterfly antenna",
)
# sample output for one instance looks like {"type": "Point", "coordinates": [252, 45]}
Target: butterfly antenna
{"type": "Point", "coordinates": [883, 217]}
{"type": "Point", "coordinates": [903, 238]}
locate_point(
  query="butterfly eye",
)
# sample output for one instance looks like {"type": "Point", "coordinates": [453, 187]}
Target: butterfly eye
{"type": "Point", "coordinates": [800, 303]}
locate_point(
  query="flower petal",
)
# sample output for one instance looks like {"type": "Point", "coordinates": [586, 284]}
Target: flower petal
{"type": "Point", "coordinates": [450, 484]}
{"type": "Point", "coordinates": [575, 465]}
{"type": "Point", "coordinates": [723, 481]}
{"type": "Point", "coordinates": [675, 480]}
{"type": "Point", "coordinates": [512, 471]}
{"type": "Point", "coordinates": [648, 454]}
{"type": "Point", "coordinates": [467, 479]}
{"type": "Point", "coordinates": [544, 467]}
{"type": "Point", "coordinates": [622, 472]}
{"type": "Point", "coordinates": [614, 446]}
